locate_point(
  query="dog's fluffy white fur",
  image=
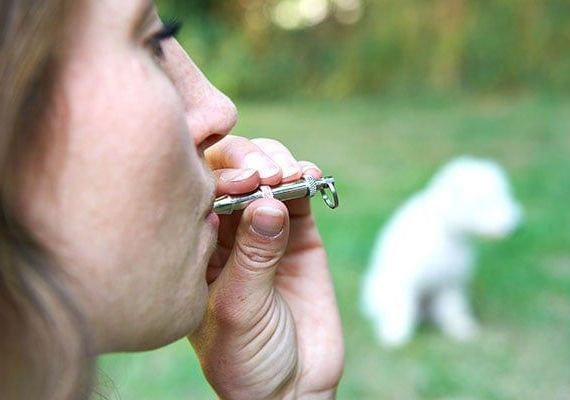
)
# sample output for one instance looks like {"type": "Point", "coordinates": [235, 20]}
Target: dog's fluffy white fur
{"type": "Point", "coordinates": [422, 261]}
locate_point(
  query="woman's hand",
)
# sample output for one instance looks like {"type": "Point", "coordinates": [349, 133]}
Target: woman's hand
{"type": "Point", "coordinates": [272, 328]}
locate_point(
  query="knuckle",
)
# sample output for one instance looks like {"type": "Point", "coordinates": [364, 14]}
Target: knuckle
{"type": "Point", "coordinates": [256, 256]}
{"type": "Point", "coordinates": [307, 163]}
{"type": "Point", "coordinates": [271, 145]}
{"type": "Point", "coordinates": [224, 312]}
{"type": "Point", "coordinates": [235, 142]}
{"type": "Point", "coordinates": [263, 141]}
{"type": "Point", "coordinates": [237, 149]}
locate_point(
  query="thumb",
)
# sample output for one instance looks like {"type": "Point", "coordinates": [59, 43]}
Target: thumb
{"type": "Point", "coordinates": [246, 281]}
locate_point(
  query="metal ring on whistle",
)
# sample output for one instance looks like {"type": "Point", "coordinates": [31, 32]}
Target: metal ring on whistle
{"type": "Point", "coordinates": [332, 189]}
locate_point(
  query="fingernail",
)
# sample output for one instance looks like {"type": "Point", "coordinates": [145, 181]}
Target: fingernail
{"type": "Point", "coordinates": [290, 171]}
{"type": "Point", "coordinates": [237, 176]}
{"type": "Point", "coordinates": [265, 167]}
{"type": "Point", "coordinates": [268, 173]}
{"type": "Point", "coordinates": [268, 221]}
{"type": "Point", "coordinates": [311, 168]}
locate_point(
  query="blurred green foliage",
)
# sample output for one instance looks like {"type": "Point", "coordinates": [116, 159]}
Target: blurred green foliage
{"type": "Point", "coordinates": [442, 46]}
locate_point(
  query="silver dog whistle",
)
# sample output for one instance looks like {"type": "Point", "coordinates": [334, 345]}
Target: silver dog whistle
{"type": "Point", "coordinates": [305, 187]}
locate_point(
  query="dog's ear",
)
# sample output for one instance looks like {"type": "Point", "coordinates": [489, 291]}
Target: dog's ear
{"type": "Point", "coordinates": [460, 185]}
{"type": "Point", "coordinates": [476, 195]}
{"type": "Point", "coordinates": [467, 175]}
{"type": "Point", "coordinates": [452, 180]}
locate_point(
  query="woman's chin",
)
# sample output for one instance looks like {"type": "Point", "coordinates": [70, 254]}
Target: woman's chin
{"type": "Point", "coordinates": [188, 323]}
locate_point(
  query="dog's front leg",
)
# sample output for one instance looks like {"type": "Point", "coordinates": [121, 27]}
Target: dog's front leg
{"type": "Point", "coordinates": [451, 311]}
{"type": "Point", "coordinates": [398, 317]}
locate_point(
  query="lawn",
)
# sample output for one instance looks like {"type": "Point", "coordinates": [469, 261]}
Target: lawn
{"type": "Point", "coordinates": [381, 151]}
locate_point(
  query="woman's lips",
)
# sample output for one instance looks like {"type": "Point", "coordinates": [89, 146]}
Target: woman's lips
{"type": "Point", "coordinates": [213, 220]}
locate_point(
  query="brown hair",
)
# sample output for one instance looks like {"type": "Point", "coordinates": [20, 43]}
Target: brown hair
{"type": "Point", "coordinates": [44, 345]}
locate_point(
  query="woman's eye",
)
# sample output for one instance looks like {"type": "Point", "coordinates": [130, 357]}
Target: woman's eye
{"type": "Point", "coordinates": [169, 30]}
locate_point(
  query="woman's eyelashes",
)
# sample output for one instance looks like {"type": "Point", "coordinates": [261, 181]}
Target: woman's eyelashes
{"type": "Point", "coordinates": [169, 30]}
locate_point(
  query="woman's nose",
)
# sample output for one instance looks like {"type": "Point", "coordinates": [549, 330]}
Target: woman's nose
{"type": "Point", "coordinates": [210, 114]}
{"type": "Point", "coordinates": [211, 118]}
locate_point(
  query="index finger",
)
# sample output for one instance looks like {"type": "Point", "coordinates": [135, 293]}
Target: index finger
{"type": "Point", "coordinates": [240, 153]}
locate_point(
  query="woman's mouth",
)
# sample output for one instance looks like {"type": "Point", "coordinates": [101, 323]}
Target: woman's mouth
{"type": "Point", "coordinates": [213, 220]}
{"type": "Point", "coordinates": [211, 217]}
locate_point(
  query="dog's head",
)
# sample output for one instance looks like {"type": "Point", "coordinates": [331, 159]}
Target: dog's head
{"type": "Point", "coordinates": [476, 198]}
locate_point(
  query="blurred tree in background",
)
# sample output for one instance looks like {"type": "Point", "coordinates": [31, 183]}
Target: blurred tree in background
{"type": "Point", "coordinates": [339, 48]}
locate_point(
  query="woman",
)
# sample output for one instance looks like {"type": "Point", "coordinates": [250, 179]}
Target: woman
{"type": "Point", "coordinates": [109, 136]}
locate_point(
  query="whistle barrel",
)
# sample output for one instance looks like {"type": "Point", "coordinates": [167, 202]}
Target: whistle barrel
{"type": "Point", "coordinates": [306, 187]}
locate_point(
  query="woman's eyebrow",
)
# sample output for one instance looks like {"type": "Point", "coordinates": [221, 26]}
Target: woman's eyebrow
{"type": "Point", "coordinates": [144, 15]}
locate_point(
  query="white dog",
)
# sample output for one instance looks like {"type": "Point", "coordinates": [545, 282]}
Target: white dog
{"type": "Point", "coordinates": [422, 261]}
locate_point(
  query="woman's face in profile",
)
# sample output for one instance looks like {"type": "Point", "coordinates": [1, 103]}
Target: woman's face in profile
{"type": "Point", "coordinates": [123, 195]}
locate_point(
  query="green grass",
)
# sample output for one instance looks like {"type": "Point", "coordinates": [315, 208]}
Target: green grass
{"type": "Point", "coordinates": [380, 152]}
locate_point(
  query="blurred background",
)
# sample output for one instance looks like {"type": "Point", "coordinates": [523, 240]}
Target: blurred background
{"type": "Point", "coordinates": [380, 94]}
